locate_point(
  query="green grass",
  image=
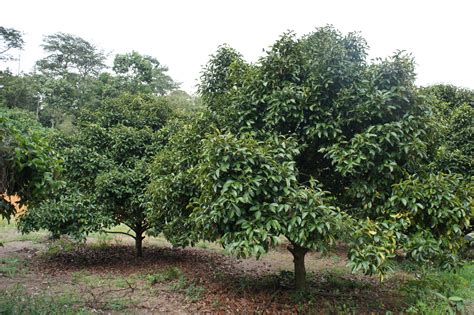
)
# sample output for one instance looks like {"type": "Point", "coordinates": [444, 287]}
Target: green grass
{"type": "Point", "coordinates": [17, 301]}
{"type": "Point", "coordinates": [441, 292]}
{"type": "Point", "coordinates": [191, 289]}
{"type": "Point", "coordinates": [109, 280]}
{"type": "Point", "coordinates": [9, 233]}
{"type": "Point", "coordinates": [169, 274]}
{"type": "Point", "coordinates": [4, 223]}
{"type": "Point", "coordinates": [211, 246]}
{"type": "Point", "coordinates": [194, 292]}
{"type": "Point", "coordinates": [11, 266]}
{"type": "Point", "coordinates": [108, 283]}
{"type": "Point", "coordinates": [103, 239]}
{"type": "Point", "coordinates": [117, 304]}
{"type": "Point", "coordinates": [434, 293]}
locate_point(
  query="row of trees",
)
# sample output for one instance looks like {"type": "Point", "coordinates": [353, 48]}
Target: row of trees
{"type": "Point", "coordinates": [73, 74]}
{"type": "Point", "coordinates": [311, 145]}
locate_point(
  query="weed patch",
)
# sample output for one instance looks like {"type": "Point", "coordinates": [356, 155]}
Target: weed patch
{"type": "Point", "coordinates": [169, 274]}
{"type": "Point", "coordinates": [62, 245]}
{"type": "Point", "coordinates": [192, 291]}
{"type": "Point", "coordinates": [18, 301]}
{"type": "Point", "coordinates": [441, 292]}
{"type": "Point", "coordinates": [11, 266]}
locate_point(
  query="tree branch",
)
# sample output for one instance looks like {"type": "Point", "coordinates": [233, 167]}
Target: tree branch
{"type": "Point", "coordinates": [4, 51]}
{"type": "Point", "coordinates": [118, 232]}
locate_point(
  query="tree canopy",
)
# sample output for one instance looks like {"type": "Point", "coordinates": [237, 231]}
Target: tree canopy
{"type": "Point", "coordinates": [28, 163]}
{"type": "Point", "coordinates": [142, 74]}
{"type": "Point", "coordinates": [359, 129]}
{"type": "Point", "coordinates": [67, 54]}
{"type": "Point", "coordinates": [311, 145]}
{"type": "Point", "coordinates": [10, 38]}
{"type": "Point", "coordinates": [105, 168]}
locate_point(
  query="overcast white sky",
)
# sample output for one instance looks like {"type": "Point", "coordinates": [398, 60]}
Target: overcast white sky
{"type": "Point", "coordinates": [182, 34]}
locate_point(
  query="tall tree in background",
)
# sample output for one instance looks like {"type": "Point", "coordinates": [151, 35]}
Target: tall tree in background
{"type": "Point", "coordinates": [67, 54]}
{"type": "Point", "coordinates": [9, 39]}
{"type": "Point", "coordinates": [184, 103]}
{"type": "Point", "coordinates": [67, 74]}
{"type": "Point", "coordinates": [72, 75]}
{"type": "Point", "coordinates": [142, 74]}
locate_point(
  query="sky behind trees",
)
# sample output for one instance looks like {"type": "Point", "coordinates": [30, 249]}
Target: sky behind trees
{"type": "Point", "coordinates": [182, 34]}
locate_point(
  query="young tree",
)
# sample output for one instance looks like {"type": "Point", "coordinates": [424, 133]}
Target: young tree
{"type": "Point", "coordinates": [250, 196]}
{"type": "Point", "coordinates": [360, 130]}
{"type": "Point", "coordinates": [106, 161]}
{"type": "Point", "coordinates": [238, 191]}
{"type": "Point", "coordinates": [172, 179]}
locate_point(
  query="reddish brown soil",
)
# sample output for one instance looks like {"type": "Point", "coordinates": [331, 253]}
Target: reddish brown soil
{"type": "Point", "coordinates": [231, 285]}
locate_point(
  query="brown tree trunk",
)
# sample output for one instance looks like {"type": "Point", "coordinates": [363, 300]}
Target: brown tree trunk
{"type": "Point", "coordinates": [139, 245]}
{"type": "Point", "coordinates": [139, 239]}
{"type": "Point", "coordinates": [299, 254]}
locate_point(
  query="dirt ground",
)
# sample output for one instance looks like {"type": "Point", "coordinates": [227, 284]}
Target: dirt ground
{"type": "Point", "coordinates": [107, 278]}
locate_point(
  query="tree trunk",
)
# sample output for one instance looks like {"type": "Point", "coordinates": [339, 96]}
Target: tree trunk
{"type": "Point", "coordinates": [38, 105]}
{"type": "Point", "coordinates": [139, 244]}
{"type": "Point", "coordinates": [139, 229]}
{"type": "Point", "coordinates": [139, 239]}
{"type": "Point", "coordinates": [299, 253]}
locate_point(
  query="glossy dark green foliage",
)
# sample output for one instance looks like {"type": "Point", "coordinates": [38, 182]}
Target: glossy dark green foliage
{"type": "Point", "coordinates": [424, 220]}
{"type": "Point", "coordinates": [361, 128]}
{"type": "Point", "coordinates": [71, 213]}
{"type": "Point", "coordinates": [453, 117]}
{"type": "Point", "coordinates": [29, 165]}
{"type": "Point", "coordinates": [106, 163]}
{"type": "Point", "coordinates": [250, 196]}
{"type": "Point", "coordinates": [173, 181]}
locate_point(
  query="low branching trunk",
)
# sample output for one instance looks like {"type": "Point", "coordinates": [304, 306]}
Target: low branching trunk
{"type": "Point", "coordinates": [139, 245]}
{"type": "Point", "coordinates": [139, 240]}
{"type": "Point", "coordinates": [139, 231]}
{"type": "Point", "coordinates": [299, 254]}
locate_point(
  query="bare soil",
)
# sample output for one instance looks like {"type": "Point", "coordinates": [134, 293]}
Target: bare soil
{"type": "Point", "coordinates": [215, 282]}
